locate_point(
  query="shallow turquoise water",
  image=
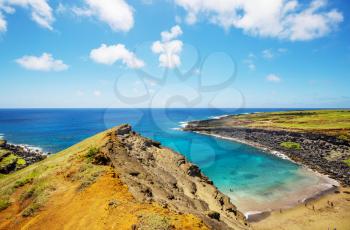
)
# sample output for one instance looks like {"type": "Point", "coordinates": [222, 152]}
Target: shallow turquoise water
{"type": "Point", "coordinates": [243, 172]}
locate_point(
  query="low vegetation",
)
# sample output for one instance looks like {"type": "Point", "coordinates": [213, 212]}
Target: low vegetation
{"type": "Point", "coordinates": [291, 145]}
{"type": "Point", "coordinates": [347, 162]}
{"type": "Point", "coordinates": [92, 152]}
{"type": "Point", "coordinates": [75, 191]}
{"type": "Point", "coordinates": [154, 221]}
{"type": "Point", "coordinates": [331, 122]}
{"type": "Point", "coordinates": [4, 203]}
{"type": "Point", "coordinates": [8, 160]}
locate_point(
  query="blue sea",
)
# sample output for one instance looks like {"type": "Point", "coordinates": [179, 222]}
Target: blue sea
{"type": "Point", "coordinates": [254, 180]}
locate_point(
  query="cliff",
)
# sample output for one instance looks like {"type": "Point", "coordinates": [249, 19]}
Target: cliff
{"type": "Point", "coordinates": [116, 179]}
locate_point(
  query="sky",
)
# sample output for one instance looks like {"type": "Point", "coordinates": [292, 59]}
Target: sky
{"type": "Point", "coordinates": [174, 53]}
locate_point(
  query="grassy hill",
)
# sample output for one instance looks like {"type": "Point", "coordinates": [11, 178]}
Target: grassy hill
{"type": "Point", "coordinates": [331, 122]}
{"type": "Point", "coordinates": [69, 190]}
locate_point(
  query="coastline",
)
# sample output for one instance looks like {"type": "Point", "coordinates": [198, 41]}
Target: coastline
{"type": "Point", "coordinates": [328, 186]}
{"type": "Point", "coordinates": [18, 156]}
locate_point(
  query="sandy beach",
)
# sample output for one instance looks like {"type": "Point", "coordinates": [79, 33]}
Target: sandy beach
{"type": "Point", "coordinates": [331, 211]}
{"type": "Point", "coordinates": [299, 196]}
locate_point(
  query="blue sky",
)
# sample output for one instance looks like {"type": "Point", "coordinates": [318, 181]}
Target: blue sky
{"type": "Point", "coordinates": [174, 53]}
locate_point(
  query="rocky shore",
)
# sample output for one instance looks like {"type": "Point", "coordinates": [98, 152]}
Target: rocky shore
{"type": "Point", "coordinates": [322, 153]}
{"type": "Point", "coordinates": [15, 157]}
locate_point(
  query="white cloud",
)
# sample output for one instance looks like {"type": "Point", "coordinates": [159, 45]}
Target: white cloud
{"type": "Point", "coordinates": [283, 19]}
{"type": "Point", "coordinates": [273, 78]}
{"type": "Point", "coordinates": [110, 54]}
{"type": "Point", "coordinates": [3, 24]}
{"type": "Point", "coordinates": [41, 12]}
{"type": "Point", "coordinates": [169, 50]}
{"type": "Point", "coordinates": [97, 93]}
{"type": "Point", "coordinates": [116, 13]}
{"type": "Point", "coordinates": [250, 62]}
{"type": "Point", "coordinates": [45, 62]}
{"type": "Point", "coordinates": [172, 34]}
{"type": "Point", "coordinates": [267, 54]}
{"type": "Point", "coordinates": [273, 53]}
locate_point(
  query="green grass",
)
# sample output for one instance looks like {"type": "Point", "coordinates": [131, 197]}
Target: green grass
{"type": "Point", "coordinates": [331, 122]}
{"type": "Point", "coordinates": [39, 180]}
{"type": "Point", "coordinates": [87, 175]}
{"type": "Point", "coordinates": [21, 162]}
{"type": "Point", "coordinates": [291, 145]}
{"type": "Point", "coordinates": [347, 162]}
{"type": "Point", "coordinates": [154, 221]}
{"type": "Point", "coordinates": [4, 203]}
{"type": "Point", "coordinates": [25, 180]}
{"type": "Point", "coordinates": [30, 210]}
{"type": "Point", "coordinates": [11, 159]}
{"type": "Point", "coordinates": [92, 152]}
{"type": "Point", "coordinates": [4, 152]}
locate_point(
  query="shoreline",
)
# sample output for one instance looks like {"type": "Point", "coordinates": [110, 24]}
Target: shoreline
{"type": "Point", "coordinates": [254, 216]}
{"type": "Point", "coordinates": [17, 156]}
{"type": "Point", "coordinates": [330, 186]}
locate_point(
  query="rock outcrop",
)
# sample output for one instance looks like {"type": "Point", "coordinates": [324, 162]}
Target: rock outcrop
{"type": "Point", "coordinates": [15, 157]}
{"type": "Point", "coordinates": [158, 174]}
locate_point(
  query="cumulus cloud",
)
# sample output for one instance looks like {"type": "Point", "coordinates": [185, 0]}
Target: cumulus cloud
{"type": "Point", "coordinates": [45, 62]}
{"type": "Point", "coordinates": [273, 78]}
{"type": "Point", "coordinates": [116, 13]}
{"type": "Point", "coordinates": [108, 55]}
{"type": "Point", "coordinates": [283, 19]}
{"type": "Point", "coordinates": [3, 23]}
{"type": "Point", "coordinates": [169, 48]}
{"type": "Point", "coordinates": [41, 12]}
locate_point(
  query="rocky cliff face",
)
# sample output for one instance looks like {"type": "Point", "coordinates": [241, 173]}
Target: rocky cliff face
{"type": "Point", "coordinates": [155, 173]}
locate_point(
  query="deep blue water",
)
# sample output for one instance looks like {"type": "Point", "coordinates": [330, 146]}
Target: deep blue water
{"type": "Point", "coordinates": [237, 169]}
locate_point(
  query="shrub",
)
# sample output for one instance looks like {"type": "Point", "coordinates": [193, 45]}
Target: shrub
{"type": "Point", "coordinates": [347, 162]}
{"type": "Point", "coordinates": [28, 179]}
{"type": "Point", "coordinates": [30, 210]}
{"type": "Point", "coordinates": [344, 137]}
{"type": "Point", "coordinates": [4, 204]}
{"type": "Point", "coordinates": [291, 145]}
{"type": "Point", "coordinates": [92, 152]}
{"type": "Point", "coordinates": [154, 221]}
{"type": "Point", "coordinates": [21, 162]}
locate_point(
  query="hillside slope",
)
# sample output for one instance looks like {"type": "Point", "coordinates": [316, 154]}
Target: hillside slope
{"type": "Point", "coordinates": [114, 180]}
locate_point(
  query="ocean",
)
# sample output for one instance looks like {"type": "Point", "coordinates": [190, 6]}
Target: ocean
{"type": "Point", "coordinates": [254, 180]}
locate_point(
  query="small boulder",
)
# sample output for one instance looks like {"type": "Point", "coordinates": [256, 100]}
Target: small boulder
{"type": "Point", "coordinates": [214, 215]}
{"type": "Point", "coordinates": [3, 143]}
{"type": "Point", "coordinates": [123, 130]}
{"type": "Point", "coordinates": [193, 170]}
